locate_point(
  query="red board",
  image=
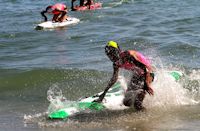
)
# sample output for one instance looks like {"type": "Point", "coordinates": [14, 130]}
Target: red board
{"type": "Point", "coordinates": [94, 6]}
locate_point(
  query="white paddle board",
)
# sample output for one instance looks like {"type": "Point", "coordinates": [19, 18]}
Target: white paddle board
{"type": "Point", "coordinates": [51, 25]}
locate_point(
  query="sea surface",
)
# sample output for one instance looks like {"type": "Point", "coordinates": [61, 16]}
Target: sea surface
{"type": "Point", "coordinates": [72, 59]}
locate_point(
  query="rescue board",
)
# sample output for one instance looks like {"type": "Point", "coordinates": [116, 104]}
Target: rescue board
{"type": "Point", "coordinates": [52, 25]}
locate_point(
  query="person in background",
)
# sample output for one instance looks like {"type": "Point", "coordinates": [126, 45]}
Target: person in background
{"type": "Point", "coordinates": [58, 10]}
{"type": "Point", "coordinates": [82, 3]}
{"type": "Point", "coordinates": [141, 71]}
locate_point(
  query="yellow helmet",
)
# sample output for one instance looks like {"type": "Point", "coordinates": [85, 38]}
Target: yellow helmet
{"type": "Point", "coordinates": [113, 44]}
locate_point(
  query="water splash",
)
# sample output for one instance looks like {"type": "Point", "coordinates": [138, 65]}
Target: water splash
{"type": "Point", "coordinates": [192, 83]}
{"type": "Point", "coordinates": [168, 92]}
{"type": "Point", "coordinates": [56, 99]}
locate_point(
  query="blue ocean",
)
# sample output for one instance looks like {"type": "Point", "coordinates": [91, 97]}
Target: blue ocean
{"type": "Point", "coordinates": [73, 60]}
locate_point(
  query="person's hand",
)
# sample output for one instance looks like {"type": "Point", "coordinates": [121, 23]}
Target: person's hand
{"type": "Point", "coordinates": [99, 100]}
{"type": "Point", "coordinates": [150, 91]}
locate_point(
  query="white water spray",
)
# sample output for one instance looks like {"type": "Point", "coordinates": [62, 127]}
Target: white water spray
{"type": "Point", "coordinates": [55, 97]}
{"type": "Point", "coordinates": [168, 92]}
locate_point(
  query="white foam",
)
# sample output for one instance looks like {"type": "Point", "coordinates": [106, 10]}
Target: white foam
{"type": "Point", "coordinates": [56, 98]}
{"type": "Point", "coordinates": [168, 92]}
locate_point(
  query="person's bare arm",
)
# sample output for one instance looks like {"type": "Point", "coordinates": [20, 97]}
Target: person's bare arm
{"type": "Point", "coordinates": [45, 11]}
{"type": "Point", "coordinates": [110, 84]}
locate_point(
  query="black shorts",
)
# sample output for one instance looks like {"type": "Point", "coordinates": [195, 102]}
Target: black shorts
{"type": "Point", "coordinates": [136, 92]}
{"type": "Point", "coordinates": [137, 82]}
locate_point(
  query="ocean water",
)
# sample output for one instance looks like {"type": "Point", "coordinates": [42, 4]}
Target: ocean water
{"type": "Point", "coordinates": [72, 59]}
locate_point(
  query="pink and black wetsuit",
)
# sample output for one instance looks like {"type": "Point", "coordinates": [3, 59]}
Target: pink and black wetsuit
{"type": "Point", "coordinates": [58, 10]}
{"type": "Point", "coordinates": [138, 65]}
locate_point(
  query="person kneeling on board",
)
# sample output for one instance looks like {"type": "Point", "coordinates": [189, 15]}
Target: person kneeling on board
{"type": "Point", "coordinates": [82, 3]}
{"type": "Point", "coordinates": [141, 71]}
{"type": "Point", "coordinates": [58, 10]}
